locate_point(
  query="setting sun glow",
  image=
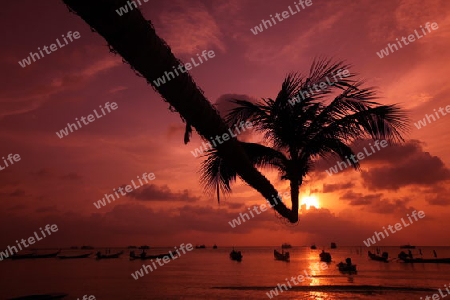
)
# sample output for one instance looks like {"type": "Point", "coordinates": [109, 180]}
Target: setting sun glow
{"type": "Point", "coordinates": [310, 201]}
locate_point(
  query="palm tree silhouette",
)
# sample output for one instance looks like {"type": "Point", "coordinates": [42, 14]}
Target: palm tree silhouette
{"type": "Point", "coordinates": [297, 134]}
{"type": "Point", "coordinates": [134, 38]}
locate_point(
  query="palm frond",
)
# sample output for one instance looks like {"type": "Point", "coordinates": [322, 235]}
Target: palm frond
{"type": "Point", "coordinates": [246, 111]}
{"type": "Point", "coordinates": [217, 175]}
{"type": "Point", "coordinates": [386, 122]}
{"type": "Point", "coordinates": [335, 147]}
{"type": "Point", "coordinates": [323, 69]}
{"type": "Point", "coordinates": [262, 156]}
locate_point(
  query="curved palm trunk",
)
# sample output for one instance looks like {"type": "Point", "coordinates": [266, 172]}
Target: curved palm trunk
{"type": "Point", "coordinates": [294, 195]}
{"type": "Point", "coordinates": [135, 39]}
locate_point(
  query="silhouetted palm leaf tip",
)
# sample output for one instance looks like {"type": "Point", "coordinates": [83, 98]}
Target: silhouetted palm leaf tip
{"type": "Point", "coordinates": [324, 123]}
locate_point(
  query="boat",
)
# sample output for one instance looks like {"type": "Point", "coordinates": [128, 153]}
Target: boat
{"type": "Point", "coordinates": [34, 255]}
{"type": "Point", "coordinates": [144, 247]}
{"type": "Point", "coordinates": [87, 247]}
{"type": "Point", "coordinates": [313, 247]}
{"type": "Point", "coordinates": [383, 257]}
{"type": "Point", "coordinates": [284, 256]}
{"type": "Point", "coordinates": [74, 256]}
{"type": "Point", "coordinates": [144, 256]}
{"type": "Point", "coordinates": [41, 297]}
{"type": "Point", "coordinates": [106, 256]}
{"type": "Point", "coordinates": [74, 247]}
{"type": "Point", "coordinates": [236, 255]}
{"type": "Point", "coordinates": [333, 246]}
{"type": "Point", "coordinates": [22, 256]}
{"type": "Point", "coordinates": [200, 247]}
{"type": "Point", "coordinates": [427, 260]}
{"type": "Point", "coordinates": [286, 246]}
{"type": "Point", "coordinates": [325, 256]}
{"type": "Point", "coordinates": [215, 246]}
{"type": "Point", "coordinates": [347, 267]}
{"type": "Point", "coordinates": [48, 255]}
{"type": "Point", "coordinates": [407, 246]}
{"type": "Point", "coordinates": [407, 258]}
{"type": "Point", "coordinates": [132, 247]}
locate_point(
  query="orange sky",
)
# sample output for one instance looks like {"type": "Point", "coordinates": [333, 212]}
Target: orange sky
{"type": "Point", "coordinates": [57, 180]}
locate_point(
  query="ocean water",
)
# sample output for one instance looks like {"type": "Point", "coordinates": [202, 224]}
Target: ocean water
{"type": "Point", "coordinates": [210, 274]}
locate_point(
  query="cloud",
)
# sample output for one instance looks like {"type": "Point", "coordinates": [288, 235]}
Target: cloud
{"type": "Point", "coordinates": [152, 192]}
{"type": "Point", "coordinates": [44, 172]}
{"type": "Point", "coordinates": [376, 204]}
{"type": "Point", "coordinates": [436, 195]}
{"type": "Point", "coordinates": [393, 167]}
{"type": "Point", "coordinates": [17, 207]}
{"type": "Point", "coordinates": [15, 101]}
{"type": "Point", "coordinates": [409, 165]}
{"type": "Point", "coordinates": [360, 199]}
{"type": "Point", "coordinates": [322, 224]}
{"type": "Point", "coordinates": [189, 28]}
{"type": "Point", "coordinates": [398, 153]}
{"type": "Point", "coordinates": [232, 205]}
{"type": "Point", "coordinates": [224, 105]}
{"type": "Point", "coordinates": [440, 200]}
{"type": "Point", "coordinates": [396, 206]}
{"type": "Point", "coordinates": [117, 89]}
{"type": "Point", "coordinates": [329, 188]}
{"type": "Point", "coordinates": [325, 20]}
{"type": "Point", "coordinates": [176, 130]}
{"type": "Point", "coordinates": [71, 176]}
{"type": "Point", "coordinates": [17, 193]}
{"type": "Point", "coordinates": [7, 178]}
{"type": "Point", "coordinates": [51, 173]}
{"type": "Point", "coordinates": [225, 102]}
{"type": "Point", "coordinates": [46, 209]}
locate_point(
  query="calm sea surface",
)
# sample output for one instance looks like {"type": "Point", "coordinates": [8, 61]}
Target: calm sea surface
{"type": "Point", "coordinates": [210, 274]}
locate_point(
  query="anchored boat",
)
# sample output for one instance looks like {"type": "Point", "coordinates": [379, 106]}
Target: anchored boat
{"type": "Point", "coordinates": [236, 255]}
{"type": "Point", "coordinates": [284, 256]}
{"type": "Point", "coordinates": [383, 257]}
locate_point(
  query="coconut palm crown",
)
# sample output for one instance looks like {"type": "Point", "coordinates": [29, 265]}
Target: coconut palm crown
{"type": "Point", "coordinates": [324, 122]}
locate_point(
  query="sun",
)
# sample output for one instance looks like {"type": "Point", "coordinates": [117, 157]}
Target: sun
{"type": "Point", "coordinates": [310, 201]}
